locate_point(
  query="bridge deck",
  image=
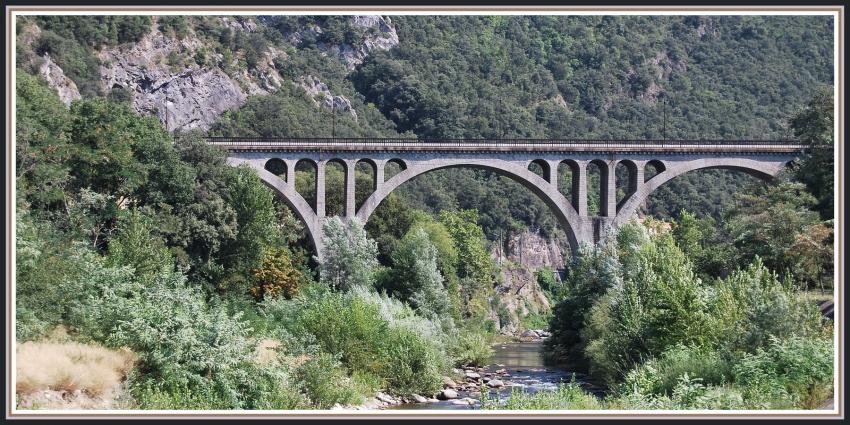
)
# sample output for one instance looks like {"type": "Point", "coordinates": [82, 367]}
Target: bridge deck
{"type": "Point", "coordinates": [503, 145]}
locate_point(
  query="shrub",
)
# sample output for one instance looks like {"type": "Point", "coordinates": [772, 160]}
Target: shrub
{"type": "Point", "coordinates": [472, 347]}
{"type": "Point", "coordinates": [412, 365]}
{"type": "Point", "coordinates": [278, 275]}
{"type": "Point", "coordinates": [660, 375]}
{"type": "Point", "coordinates": [753, 305]}
{"type": "Point", "coordinates": [797, 368]}
{"type": "Point", "coordinates": [191, 354]}
{"type": "Point", "coordinates": [350, 256]}
{"type": "Point", "coordinates": [326, 383]}
{"type": "Point", "coordinates": [379, 340]}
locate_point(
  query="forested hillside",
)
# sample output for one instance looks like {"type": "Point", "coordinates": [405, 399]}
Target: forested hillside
{"type": "Point", "coordinates": [468, 76]}
{"type": "Point", "coordinates": [134, 234]}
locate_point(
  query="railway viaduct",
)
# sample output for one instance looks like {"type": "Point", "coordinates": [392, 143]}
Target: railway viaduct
{"type": "Point", "coordinates": [649, 163]}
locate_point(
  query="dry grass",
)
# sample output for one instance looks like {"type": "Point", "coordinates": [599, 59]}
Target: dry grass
{"type": "Point", "coordinates": [70, 366]}
{"type": "Point", "coordinates": [266, 351]}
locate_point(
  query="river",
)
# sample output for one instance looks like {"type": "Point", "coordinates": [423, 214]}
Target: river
{"type": "Point", "coordinates": [519, 365]}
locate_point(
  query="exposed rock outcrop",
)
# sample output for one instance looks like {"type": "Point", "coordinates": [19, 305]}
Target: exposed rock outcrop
{"type": "Point", "coordinates": [382, 37]}
{"type": "Point", "coordinates": [523, 255]}
{"type": "Point", "coordinates": [183, 96]}
{"type": "Point", "coordinates": [322, 96]}
{"type": "Point", "coordinates": [57, 80]}
{"type": "Point", "coordinates": [380, 34]}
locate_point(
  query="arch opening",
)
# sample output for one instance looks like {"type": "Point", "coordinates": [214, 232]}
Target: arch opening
{"type": "Point", "coordinates": [306, 171]}
{"type": "Point", "coordinates": [557, 205]}
{"type": "Point", "coordinates": [365, 181]}
{"type": "Point", "coordinates": [335, 182]}
{"type": "Point", "coordinates": [597, 188]}
{"type": "Point", "coordinates": [569, 181]}
{"type": "Point", "coordinates": [393, 167]}
{"type": "Point", "coordinates": [626, 181]}
{"type": "Point", "coordinates": [277, 167]}
{"type": "Point", "coordinates": [652, 169]}
{"type": "Point", "coordinates": [541, 168]}
{"type": "Point", "coordinates": [727, 172]}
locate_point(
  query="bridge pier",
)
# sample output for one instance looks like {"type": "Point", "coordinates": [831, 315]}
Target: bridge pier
{"type": "Point", "coordinates": [349, 188]}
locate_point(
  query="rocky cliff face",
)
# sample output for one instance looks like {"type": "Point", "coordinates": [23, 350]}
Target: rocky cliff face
{"type": "Point", "coordinates": [164, 81]}
{"type": "Point", "coordinates": [380, 34]}
{"type": "Point", "coordinates": [57, 80]}
{"type": "Point", "coordinates": [322, 96]}
{"type": "Point", "coordinates": [523, 255]}
{"type": "Point", "coordinates": [182, 97]}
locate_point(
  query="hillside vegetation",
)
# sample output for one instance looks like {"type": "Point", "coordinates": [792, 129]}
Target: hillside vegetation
{"type": "Point", "coordinates": [135, 234]}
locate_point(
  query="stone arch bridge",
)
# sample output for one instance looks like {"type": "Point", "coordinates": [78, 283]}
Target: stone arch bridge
{"type": "Point", "coordinates": [649, 163]}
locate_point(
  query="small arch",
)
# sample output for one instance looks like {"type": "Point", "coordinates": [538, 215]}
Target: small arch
{"type": "Point", "coordinates": [277, 167]}
{"type": "Point", "coordinates": [365, 180]}
{"type": "Point", "coordinates": [335, 182]}
{"type": "Point", "coordinates": [569, 181]}
{"type": "Point", "coordinates": [652, 169]}
{"type": "Point", "coordinates": [541, 168]}
{"type": "Point", "coordinates": [626, 180]}
{"type": "Point", "coordinates": [306, 171]}
{"type": "Point", "coordinates": [597, 188]}
{"type": "Point", "coordinates": [393, 167]}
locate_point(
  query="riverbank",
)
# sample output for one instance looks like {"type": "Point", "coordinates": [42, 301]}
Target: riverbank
{"type": "Point", "coordinates": [514, 366]}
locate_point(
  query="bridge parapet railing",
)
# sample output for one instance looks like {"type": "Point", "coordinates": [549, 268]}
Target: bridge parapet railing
{"type": "Point", "coordinates": [375, 144]}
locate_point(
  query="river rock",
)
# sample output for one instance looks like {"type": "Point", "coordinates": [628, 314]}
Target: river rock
{"type": "Point", "coordinates": [447, 394]}
{"type": "Point", "coordinates": [464, 401]}
{"type": "Point", "coordinates": [449, 383]}
{"type": "Point", "coordinates": [496, 383]}
{"type": "Point", "coordinates": [419, 399]}
{"type": "Point", "coordinates": [385, 398]}
{"type": "Point", "coordinates": [530, 333]}
{"type": "Point", "coordinates": [472, 375]}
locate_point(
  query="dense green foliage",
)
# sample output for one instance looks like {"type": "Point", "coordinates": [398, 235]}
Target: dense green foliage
{"type": "Point", "coordinates": [131, 236]}
{"type": "Point", "coordinates": [653, 329]}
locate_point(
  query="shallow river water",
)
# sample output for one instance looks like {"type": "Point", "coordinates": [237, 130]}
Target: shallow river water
{"type": "Point", "coordinates": [525, 370]}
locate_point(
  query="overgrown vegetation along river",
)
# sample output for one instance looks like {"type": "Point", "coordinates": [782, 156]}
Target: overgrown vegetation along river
{"type": "Point", "coordinates": [520, 366]}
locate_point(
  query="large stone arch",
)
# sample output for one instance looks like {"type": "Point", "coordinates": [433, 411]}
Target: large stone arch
{"type": "Point", "coordinates": [567, 217]}
{"type": "Point", "coordinates": [293, 199]}
{"type": "Point", "coordinates": [764, 170]}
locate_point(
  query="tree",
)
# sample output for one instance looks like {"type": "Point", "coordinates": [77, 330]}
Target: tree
{"type": "Point", "coordinates": [475, 269]}
{"type": "Point", "coordinates": [415, 276]}
{"type": "Point", "coordinates": [135, 245]}
{"type": "Point", "coordinates": [767, 222]}
{"type": "Point", "coordinates": [278, 275]}
{"type": "Point", "coordinates": [812, 253]}
{"type": "Point", "coordinates": [815, 125]}
{"type": "Point", "coordinates": [350, 257]}
{"type": "Point", "coordinates": [41, 148]}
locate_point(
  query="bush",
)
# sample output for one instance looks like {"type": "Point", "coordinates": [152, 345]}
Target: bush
{"type": "Point", "coordinates": [373, 336]}
{"type": "Point", "coordinates": [753, 305]}
{"type": "Point", "coordinates": [660, 375]}
{"type": "Point", "coordinates": [797, 369]}
{"type": "Point", "coordinates": [191, 354]}
{"type": "Point", "coordinates": [413, 364]}
{"type": "Point", "coordinates": [326, 383]}
{"type": "Point", "coordinates": [472, 347]}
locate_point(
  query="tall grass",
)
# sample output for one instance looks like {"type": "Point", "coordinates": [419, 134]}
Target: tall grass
{"type": "Point", "coordinates": [70, 366]}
